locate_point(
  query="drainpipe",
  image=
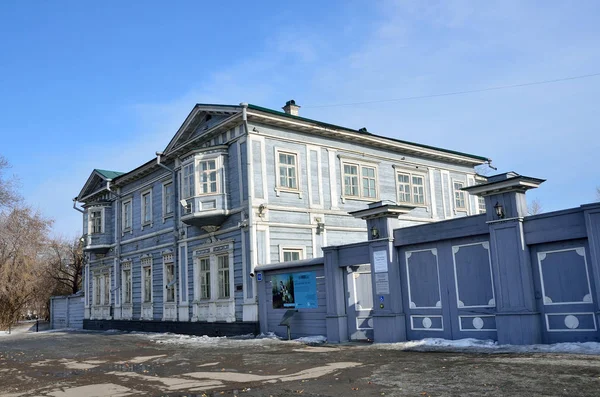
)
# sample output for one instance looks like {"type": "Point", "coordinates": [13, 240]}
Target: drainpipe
{"type": "Point", "coordinates": [117, 211]}
{"type": "Point", "coordinates": [175, 221]}
{"type": "Point", "coordinates": [251, 228]}
{"type": "Point", "coordinates": [75, 206]}
{"type": "Point", "coordinates": [175, 212]}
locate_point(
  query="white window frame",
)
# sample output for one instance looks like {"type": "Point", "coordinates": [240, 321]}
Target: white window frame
{"type": "Point", "coordinates": [481, 205]}
{"type": "Point", "coordinates": [170, 285]}
{"type": "Point", "coordinates": [126, 286]}
{"type": "Point", "coordinates": [457, 193]}
{"type": "Point", "coordinates": [188, 180]}
{"type": "Point", "coordinates": [201, 173]}
{"type": "Point", "coordinates": [204, 278]}
{"type": "Point", "coordinates": [291, 249]}
{"type": "Point", "coordinates": [212, 254]}
{"type": "Point", "coordinates": [167, 201]}
{"type": "Point", "coordinates": [98, 282]}
{"type": "Point", "coordinates": [411, 187]}
{"type": "Point", "coordinates": [106, 295]}
{"type": "Point", "coordinates": [146, 264]}
{"type": "Point", "coordinates": [359, 165]}
{"type": "Point", "coordinates": [146, 211]}
{"type": "Point", "coordinates": [125, 220]}
{"type": "Point", "coordinates": [223, 282]}
{"type": "Point", "coordinates": [91, 220]}
{"type": "Point", "coordinates": [279, 186]}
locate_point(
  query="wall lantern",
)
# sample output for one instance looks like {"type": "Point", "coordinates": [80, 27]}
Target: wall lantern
{"type": "Point", "coordinates": [374, 233]}
{"type": "Point", "coordinates": [499, 210]}
{"type": "Point", "coordinates": [320, 227]}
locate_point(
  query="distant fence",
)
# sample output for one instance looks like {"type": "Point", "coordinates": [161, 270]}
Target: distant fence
{"type": "Point", "coordinates": [66, 311]}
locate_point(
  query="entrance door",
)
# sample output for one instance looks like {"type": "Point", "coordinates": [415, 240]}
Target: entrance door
{"type": "Point", "coordinates": [360, 302]}
{"type": "Point", "coordinates": [564, 293]}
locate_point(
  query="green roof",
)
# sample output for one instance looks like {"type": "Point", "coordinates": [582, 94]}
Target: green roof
{"type": "Point", "coordinates": [283, 114]}
{"type": "Point", "coordinates": [109, 174]}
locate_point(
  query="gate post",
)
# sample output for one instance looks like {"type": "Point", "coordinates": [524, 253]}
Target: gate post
{"type": "Point", "coordinates": [336, 319]}
{"type": "Point", "coordinates": [518, 320]}
{"type": "Point", "coordinates": [389, 319]}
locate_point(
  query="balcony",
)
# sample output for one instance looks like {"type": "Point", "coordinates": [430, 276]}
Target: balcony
{"type": "Point", "coordinates": [98, 243]}
{"type": "Point", "coordinates": [206, 210]}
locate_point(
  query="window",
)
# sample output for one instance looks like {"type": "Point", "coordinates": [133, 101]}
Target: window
{"type": "Point", "coordinates": [481, 204]}
{"type": "Point", "coordinates": [97, 286]}
{"type": "Point", "coordinates": [208, 177]}
{"type": "Point", "coordinates": [147, 280]}
{"type": "Point", "coordinates": [359, 180]}
{"type": "Point", "coordinates": [223, 274]}
{"type": "Point", "coordinates": [187, 181]}
{"type": "Point", "coordinates": [459, 196]}
{"type": "Point", "coordinates": [106, 294]}
{"type": "Point", "coordinates": [126, 287]}
{"type": "Point", "coordinates": [96, 221]}
{"type": "Point", "coordinates": [147, 207]}
{"type": "Point", "coordinates": [204, 279]}
{"type": "Point", "coordinates": [288, 170]}
{"type": "Point", "coordinates": [127, 215]}
{"type": "Point", "coordinates": [167, 199]}
{"type": "Point", "coordinates": [411, 188]}
{"type": "Point", "coordinates": [170, 281]}
{"type": "Point", "coordinates": [291, 254]}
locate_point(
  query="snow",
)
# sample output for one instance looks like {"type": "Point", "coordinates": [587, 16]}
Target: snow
{"type": "Point", "coordinates": [489, 346]}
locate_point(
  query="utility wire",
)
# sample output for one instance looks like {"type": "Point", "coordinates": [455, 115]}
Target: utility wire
{"type": "Point", "coordinates": [501, 87]}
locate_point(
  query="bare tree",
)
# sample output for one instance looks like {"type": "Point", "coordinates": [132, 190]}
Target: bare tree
{"type": "Point", "coordinates": [65, 264]}
{"type": "Point", "coordinates": [597, 193]}
{"type": "Point", "coordinates": [535, 207]}
{"type": "Point", "coordinates": [8, 194]}
{"type": "Point", "coordinates": [22, 280]}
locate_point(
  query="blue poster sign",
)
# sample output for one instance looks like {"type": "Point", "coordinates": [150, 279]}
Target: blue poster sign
{"type": "Point", "coordinates": [295, 290]}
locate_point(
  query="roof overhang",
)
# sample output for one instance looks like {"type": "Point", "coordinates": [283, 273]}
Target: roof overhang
{"type": "Point", "coordinates": [380, 210]}
{"type": "Point", "coordinates": [328, 130]}
{"type": "Point", "coordinates": [516, 183]}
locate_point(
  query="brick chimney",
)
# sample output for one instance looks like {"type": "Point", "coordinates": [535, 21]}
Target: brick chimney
{"type": "Point", "coordinates": [291, 108]}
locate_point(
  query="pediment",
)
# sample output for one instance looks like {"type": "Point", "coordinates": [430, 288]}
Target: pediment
{"type": "Point", "coordinates": [96, 182]}
{"type": "Point", "coordinates": [200, 120]}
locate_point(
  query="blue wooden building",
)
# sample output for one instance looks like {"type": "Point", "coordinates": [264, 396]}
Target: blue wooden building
{"type": "Point", "coordinates": [173, 244]}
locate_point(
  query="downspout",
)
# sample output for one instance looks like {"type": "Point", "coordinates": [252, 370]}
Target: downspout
{"type": "Point", "coordinates": [75, 206]}
{"type": "Point", "coordinates": [117, 238]}
{"type": "Point", "coordinates": [251, 228]}
{"type": "Point", "coordinates": [175, 221]}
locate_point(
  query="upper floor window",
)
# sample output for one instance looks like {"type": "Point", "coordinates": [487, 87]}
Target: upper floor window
{"type": "Point", "coordinates": [481, 204]}
{"type": "Point", "coordinates": [96, 221]}
{"type": "Point", "coordinates": [287, 167]}
{"type": "Point", "coordinates": [360, 180]}
{"type": "Point", "coordinates": [208, 176]}
{"type": "Point", "coordinates": [127, 215]}
{"type": "Point", "coordinates": [459, 196]}
{"type": "Point", "coordinates": [147, 207]}
{"type": "Point", "coordinates": [411, 188]}
{"type": "Point", "coordinates": [167, 199]}
{"type": "Point", "coordinates": [187, 181]}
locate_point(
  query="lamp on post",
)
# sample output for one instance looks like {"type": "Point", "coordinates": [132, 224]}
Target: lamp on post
{"type": "Point", "coordinates": [374, 232]}
{"type": "Point", "coordinates": [499, 210]}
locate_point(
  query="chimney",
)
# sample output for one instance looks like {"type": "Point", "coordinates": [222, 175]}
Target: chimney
{"type": "Point", "coordinates": [291, 108]}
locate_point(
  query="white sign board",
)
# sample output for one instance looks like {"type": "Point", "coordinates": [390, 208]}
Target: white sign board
{"type": "Point", "coordinates": [380, 261]}
{"type": "Point", "coordinates": [382, 284]}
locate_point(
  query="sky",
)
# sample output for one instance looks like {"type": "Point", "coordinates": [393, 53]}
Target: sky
{"type": "Point", "coordinates": [87, 85]}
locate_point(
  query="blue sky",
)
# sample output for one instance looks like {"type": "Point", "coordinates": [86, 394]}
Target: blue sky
{"type": "Point", "coordinates": [87, 85]}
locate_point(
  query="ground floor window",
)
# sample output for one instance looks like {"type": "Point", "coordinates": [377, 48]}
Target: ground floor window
{"type": "Point", "coordinates": [213, 266]}
{"type": "Point", "coordinates": [126, 283]}
{"type": "Point", "coordinates": [147, 280]}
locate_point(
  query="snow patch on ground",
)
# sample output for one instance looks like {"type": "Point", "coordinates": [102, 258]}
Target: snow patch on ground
{"type": "Point", "coordinates": [232, 341]}
{"type": "Point", "coordinates": [489, 346]}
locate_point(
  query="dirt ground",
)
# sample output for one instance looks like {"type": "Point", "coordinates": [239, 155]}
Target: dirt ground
{"type": "Point", "coordinates": [120, 364]}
